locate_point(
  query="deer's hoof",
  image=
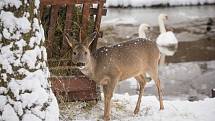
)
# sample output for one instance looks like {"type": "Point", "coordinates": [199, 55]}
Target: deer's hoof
{"type": "Point", "coordinates": [161, 108]}
{"type": "Point", "coordinates": [136, 111]}
{"type": "Point", "coordinates": [106, 118]}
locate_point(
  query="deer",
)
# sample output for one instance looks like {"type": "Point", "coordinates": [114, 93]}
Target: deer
{"type": "Point", "coordinates": [109, 65]}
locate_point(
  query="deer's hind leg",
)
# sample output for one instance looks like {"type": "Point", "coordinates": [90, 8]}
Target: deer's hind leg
{"type": "Point", "coordinates": [142, 84]}
{"type": "Point", "coordinates": [153, 72]}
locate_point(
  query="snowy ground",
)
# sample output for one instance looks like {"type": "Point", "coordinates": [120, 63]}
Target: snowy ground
{"type": "Point", "coordinates": [123, 106]}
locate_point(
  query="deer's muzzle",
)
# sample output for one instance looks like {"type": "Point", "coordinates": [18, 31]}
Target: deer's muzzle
{"type": "Point", "coordinates": [80, 64]}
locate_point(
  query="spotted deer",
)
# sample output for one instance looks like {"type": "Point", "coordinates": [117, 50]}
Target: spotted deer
{"type": "Point", "coordinates": [109, 65]}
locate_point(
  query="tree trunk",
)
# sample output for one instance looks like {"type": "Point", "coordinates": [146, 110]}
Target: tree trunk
{"type": "Point", "coordinates": [25, 94]}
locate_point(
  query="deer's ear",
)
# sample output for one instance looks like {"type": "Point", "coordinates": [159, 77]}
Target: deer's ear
{"type": "Point", "coordinates": [89, 40]}
{"type": "Point", "coordinates": [69, 40]}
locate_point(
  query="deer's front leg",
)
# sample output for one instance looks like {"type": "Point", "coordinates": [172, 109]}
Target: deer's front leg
{"type": "Point", "coordinates": [108, 94]}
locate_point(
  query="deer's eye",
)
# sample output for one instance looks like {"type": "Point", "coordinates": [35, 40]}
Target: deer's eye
{"type": "Point", "coordinates": [74, 53]}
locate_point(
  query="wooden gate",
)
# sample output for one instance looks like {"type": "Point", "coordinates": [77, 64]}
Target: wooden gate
{"type": "Point", "coordinates": [79, 18]}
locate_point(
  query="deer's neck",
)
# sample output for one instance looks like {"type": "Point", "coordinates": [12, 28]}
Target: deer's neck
{"type": "Point", "coordinates": [161, 25]}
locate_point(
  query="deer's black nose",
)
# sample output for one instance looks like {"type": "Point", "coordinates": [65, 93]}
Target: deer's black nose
{"type": "Point", "coordinates": [80, 64]}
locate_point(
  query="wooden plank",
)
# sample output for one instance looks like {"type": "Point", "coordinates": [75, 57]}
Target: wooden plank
{"type": "Point", "coordinates": [85, 20]}
{"type": "Point", "coordinates": [41, 10]}
{"type": "Point", "coordinates": [69, 2]}
{"type": "Point", "coordinates": [67, 27]}
{"type": "Point", "coordinates": [94, 11]}
{"type": "Point", "coordinates": [53, 20]}
{"type": "Point", "coordinates": [97, 25]}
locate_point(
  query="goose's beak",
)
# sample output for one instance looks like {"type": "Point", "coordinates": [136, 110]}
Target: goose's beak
{"type": "Point", "coordinates": [166, 17]}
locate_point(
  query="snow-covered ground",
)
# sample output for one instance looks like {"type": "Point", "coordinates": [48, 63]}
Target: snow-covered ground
{"type": "Point", "coordinates": [149, 3]}
{"type": "Point", "coordinates": [123, 106]}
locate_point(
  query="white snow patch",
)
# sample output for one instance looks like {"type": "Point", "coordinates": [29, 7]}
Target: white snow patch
{"type": "Point", "coordinates": [30, 117]}
{"type": "Point", "coordinates": [3, 101]}
{"type": "Point", "coordinates": [37, 3]}
{"type": "Point", "coordinates": [7, 3]}
{"type": "Point", "coordinates": [7, 58]}
{"type": "Point", "coordinates": [117, 21]}
{"type": "Point", "coordinates": [9, 114]}
{"type": "Point", "coordinates": [3, 90]}
{"type": "Point", "coordinates": [30, 57]}
{"type": "Point", "coordinates": [124, 105]}
{"type": "Point", "coordinates": [14, 26]}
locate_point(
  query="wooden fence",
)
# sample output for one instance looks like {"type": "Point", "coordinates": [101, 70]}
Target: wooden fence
{"type": "Point", "coordinates": [67, 85]}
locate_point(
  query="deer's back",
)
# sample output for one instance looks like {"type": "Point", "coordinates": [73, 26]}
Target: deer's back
{"type": "Point", "coordinates": [129, 58]}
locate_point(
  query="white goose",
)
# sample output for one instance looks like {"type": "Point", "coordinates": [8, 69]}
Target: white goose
{"type": "Point", "coordinates": [142, 30]}
{"type": "Point", "coordinates": [166, 41]}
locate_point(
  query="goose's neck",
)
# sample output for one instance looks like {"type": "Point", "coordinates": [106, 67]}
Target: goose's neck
{"type": "Point", "coordinates": [142, 34]}
{"type": "Point", "coordinates": [161, 25]}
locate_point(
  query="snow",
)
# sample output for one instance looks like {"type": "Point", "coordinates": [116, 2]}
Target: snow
{"type": "Point", "coordinates": [120, 20]}
{"type": "Point", "coordinates": [124, 105]}
{"type": "Point", "coordinates": [10, 3]}
{"type": "Point", "coordinates": [32, 96]}
{"type": "Point", "coordinates": [9, 114]}
{"type": "Point", "coordinates": [13, 25]}
{"type": "Point", "coordinates": [30, 57]}
{"type": "Point", "coordinates": [7, 54]}
{"type": "Point", "coordinates": [37, 3]}
{"type": "Point", "coordinates": [30, 117]}
{"type": "Point", "coordinates": [166, 40]}
{"type": "Point", "coordinates": [149, 3]}
{"type": "Point", "coordinates": [3, 101]}
{"type": "Point", "coordinates": [3, 90]}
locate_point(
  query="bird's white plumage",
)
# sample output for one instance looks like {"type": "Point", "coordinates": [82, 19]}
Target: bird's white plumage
{"type": "Point", "coordinates": [167, 38]}
{"type": "Point", "coordinates": [167, 43]}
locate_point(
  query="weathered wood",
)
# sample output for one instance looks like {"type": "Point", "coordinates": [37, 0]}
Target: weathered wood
{"type": "Point", "coordinates": [85, 21]}
{"type": "Point", "coordinates": [75, 90]}
{"type": "Point", "coordinates": [69, 2]}
{"type": "Point", "coordinates": [213, 93]}
{"type": "Point", "coordinates": [41, 10]}
{"type": "Point", "coordinates": [94, 11]}
{"type": "Point", "coordinates": [97, 25]}
{"type": "Point", "coordinates": [67, 26]}
{"type": "Point", "coordinates": [53, 20]}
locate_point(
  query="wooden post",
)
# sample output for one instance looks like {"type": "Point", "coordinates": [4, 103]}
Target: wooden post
{"type": "Point", "coordinates": [85, 21]}
{"type": "Point", "coordinates": [67, 26]}
{"type": "Point", "coordinates": [213, 93]}
{"type": "Point", "coordinates": [97, 24]}
{"type": "Point", "coordinates": [53, 20]}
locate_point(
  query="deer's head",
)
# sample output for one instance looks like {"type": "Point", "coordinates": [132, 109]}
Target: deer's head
{"type": "Point", "coordinates": [80, 51]}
